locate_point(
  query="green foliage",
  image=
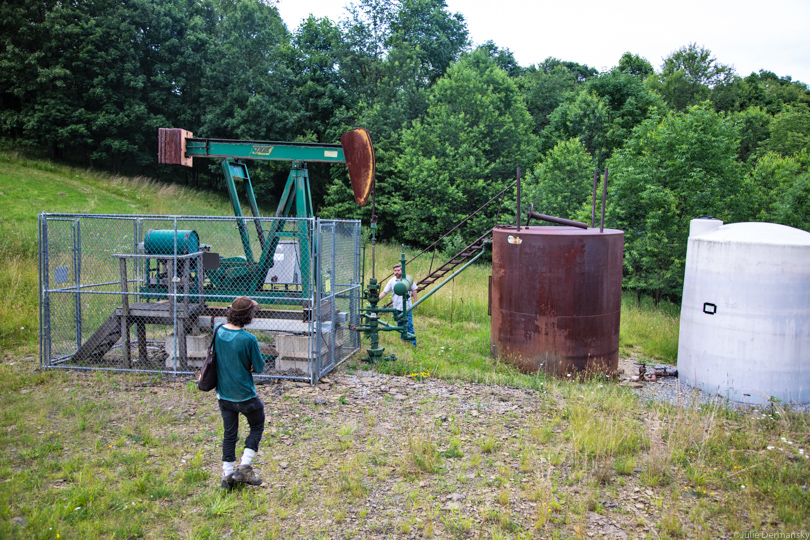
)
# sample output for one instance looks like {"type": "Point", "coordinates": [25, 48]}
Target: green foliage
{"type": "Point", "coordinates": [546, 85]}
{"type": "Point", "coordinates": [790, 131]}
{"type": "Point", "coordinates": [393, 54]}
{"type": "Point", "coordinates": [632, 64]}
{"type": "Point", "coordinates": [320, 90]}
{"type": "Point", "coordinates": [474, 135]}
{"type": "Point", "coordinates": [674, 168]}
{"type": "Point", "coordinates": [562, 182]}
{"type": "Point", "coordinates": [754, 126]}
{"type": "Point", "coordinates": [244, 89]}
{"type": "Point", "coordinates": [688, 75]}
{"type": "Point", "coordinates": [771, 93]}
{"type": "Point", "coordinates": [779, 189]}
{"type": "Point", "coordinates": [603, 114]}
{"type": "Point", "coordinates": [436, 35]}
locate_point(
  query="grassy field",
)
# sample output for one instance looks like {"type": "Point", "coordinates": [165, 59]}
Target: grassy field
{"type": "Point", "coordinates": [446, 442]}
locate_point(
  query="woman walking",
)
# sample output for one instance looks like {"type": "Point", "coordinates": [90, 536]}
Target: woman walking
{"type": "Point", "coordinates": [238, 357]}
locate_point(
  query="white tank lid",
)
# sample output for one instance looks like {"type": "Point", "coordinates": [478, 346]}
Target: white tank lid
{"type": "Point", "coordinates": [702, 225]}
{"type": "Point", "coordinates": [758, 233]}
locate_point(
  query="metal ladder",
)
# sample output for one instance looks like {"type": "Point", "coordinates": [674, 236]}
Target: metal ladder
{"type": "Point", "coordinates": [461, 257]}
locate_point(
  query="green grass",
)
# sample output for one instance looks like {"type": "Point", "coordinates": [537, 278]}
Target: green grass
{"type": "Point", "coordinates": [648, 332]}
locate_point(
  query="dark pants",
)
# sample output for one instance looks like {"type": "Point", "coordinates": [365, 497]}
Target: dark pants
{"type": "Point", "coordinates": [253, 409]}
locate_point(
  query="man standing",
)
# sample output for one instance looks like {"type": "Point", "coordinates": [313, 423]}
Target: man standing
{"type": "Point", "coordinates": [397, 300]}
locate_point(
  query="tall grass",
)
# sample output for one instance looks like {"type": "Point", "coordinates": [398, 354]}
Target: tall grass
{"type": "Point", "coordinates": [649, 331]}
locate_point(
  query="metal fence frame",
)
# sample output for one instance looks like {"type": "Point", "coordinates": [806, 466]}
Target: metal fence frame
{"type": "Point", "coordinates": [77, 275]}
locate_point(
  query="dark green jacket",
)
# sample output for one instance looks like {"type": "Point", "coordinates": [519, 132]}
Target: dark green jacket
{"type": "Point", "coordinates": [237, 350]}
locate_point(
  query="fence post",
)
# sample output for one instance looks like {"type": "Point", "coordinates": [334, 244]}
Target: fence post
{"type": "Point", "coordinates": [124, 314]}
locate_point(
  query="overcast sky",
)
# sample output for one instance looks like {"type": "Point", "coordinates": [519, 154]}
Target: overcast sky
{"type": "Point", "coordinates": [747, 34]}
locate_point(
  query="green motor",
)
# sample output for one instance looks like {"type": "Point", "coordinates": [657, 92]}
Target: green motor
{"type": "Point", "coordinates": [162, 242]}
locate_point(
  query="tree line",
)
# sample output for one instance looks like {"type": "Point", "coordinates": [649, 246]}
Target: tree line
{"type": "Point", "coordinates": [90, 82]}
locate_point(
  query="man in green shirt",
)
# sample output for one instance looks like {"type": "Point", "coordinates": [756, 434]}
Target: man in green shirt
{"type": "Point", "coordinates": [238, 358]}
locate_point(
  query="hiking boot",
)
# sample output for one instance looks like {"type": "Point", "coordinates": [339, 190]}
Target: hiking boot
{"type": "Point", "coordinates": [244, 475]}
{"type": "Point", "coordinates": [227, 482]}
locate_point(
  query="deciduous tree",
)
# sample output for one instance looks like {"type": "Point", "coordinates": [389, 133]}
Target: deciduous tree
{"type": "Point", "coordinates": [674, 168]}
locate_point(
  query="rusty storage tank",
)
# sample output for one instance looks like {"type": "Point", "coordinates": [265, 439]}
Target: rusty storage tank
{"type": "Point", "coordinates": [555, 298]}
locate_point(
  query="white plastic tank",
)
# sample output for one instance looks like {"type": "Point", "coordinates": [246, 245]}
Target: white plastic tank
{"type": "Point", "coordinates": [745, 316]}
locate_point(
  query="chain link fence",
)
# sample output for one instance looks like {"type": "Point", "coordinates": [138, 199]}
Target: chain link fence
{"type": "Point", "coordinates": [144, 293]}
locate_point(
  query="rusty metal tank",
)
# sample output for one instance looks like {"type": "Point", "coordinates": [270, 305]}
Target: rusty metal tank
{"type": "Point", "coordinates": [555, 298]}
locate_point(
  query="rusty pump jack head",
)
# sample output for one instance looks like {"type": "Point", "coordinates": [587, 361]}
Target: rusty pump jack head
{"type": "Point", "coordinates": [359, 154]}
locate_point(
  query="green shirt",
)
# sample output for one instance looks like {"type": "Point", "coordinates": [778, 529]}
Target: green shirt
{"type": "Point", "coordinates": [237, 350]}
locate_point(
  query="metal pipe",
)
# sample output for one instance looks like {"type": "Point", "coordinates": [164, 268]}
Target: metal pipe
{"type": "Point", "coordinates": [457, 272]}
{"type": "Point", "coordinates": [593, 205]}
{"type": "Point", "coordinates": [558, 220]}
{"type": "Point", "coordinates": [518, 199]}
{"type": "Point", "coordinates": [604, 196]}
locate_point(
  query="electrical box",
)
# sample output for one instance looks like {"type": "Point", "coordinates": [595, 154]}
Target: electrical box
{"type": "Point", "coordinates": [286, 268]}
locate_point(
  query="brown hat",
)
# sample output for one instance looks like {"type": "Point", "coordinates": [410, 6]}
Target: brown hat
{"type": "Point", "coordinates": [243, 305]}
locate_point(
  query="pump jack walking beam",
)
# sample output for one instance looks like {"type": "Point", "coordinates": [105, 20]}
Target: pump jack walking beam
{"type": "Point", "coordinates": [179, 147]}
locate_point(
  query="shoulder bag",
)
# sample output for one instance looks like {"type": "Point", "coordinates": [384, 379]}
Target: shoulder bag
{"type": "Point", "coordinates": [207, 380]}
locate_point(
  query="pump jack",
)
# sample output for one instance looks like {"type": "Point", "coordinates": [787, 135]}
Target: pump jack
{"type": "Point", "coordinates": [236, 276]}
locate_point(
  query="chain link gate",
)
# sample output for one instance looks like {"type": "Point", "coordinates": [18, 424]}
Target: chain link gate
{"type": "Point", "coordinates": [169, 279]}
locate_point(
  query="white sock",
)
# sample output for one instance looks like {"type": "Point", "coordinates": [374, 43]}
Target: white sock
{"type": "Point", "coordinates": [247, 456]}
{"type": "Point", "coordinates": [227, 468]}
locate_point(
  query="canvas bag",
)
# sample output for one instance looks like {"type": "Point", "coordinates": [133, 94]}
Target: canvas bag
{"type": "Point", "coordinates": [207, 379]}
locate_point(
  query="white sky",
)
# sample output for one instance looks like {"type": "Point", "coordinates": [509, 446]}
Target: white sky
{"type": "Point", "coordinates": [747, 34]}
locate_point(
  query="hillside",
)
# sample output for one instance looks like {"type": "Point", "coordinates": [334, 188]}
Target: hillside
{"type": "Point", "coordinates": [28, 187]}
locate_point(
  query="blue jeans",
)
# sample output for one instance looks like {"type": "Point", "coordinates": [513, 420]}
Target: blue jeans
{"type": "Point", "coordinates": [253, 409]}
{"type": "Point", "coordinates": [410, 327]}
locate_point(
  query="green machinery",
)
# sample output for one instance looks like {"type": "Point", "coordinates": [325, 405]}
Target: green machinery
{"type": "Point", "coordinates": [236, 276]}
{"type": "Point", "coordinates": [371, 314]}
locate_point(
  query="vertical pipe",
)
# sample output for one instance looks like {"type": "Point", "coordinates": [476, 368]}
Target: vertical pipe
{"type": "Point", "coordinates": [315, 328]}
{"type": "Point", "coordinates": [604, 196]}
{"type": "Point", "coordinates": [333, 293]}
{"type": "Point", "coordinates": [45, 309]}
{"type": "Point", "coordinates": [593, 206]}
{"type": "Point", "coordinates": [77, 265]}
{"type": "Point", "coordinates": [518, 199]}
{"type": "Point", "coordinates": [122, 263]}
